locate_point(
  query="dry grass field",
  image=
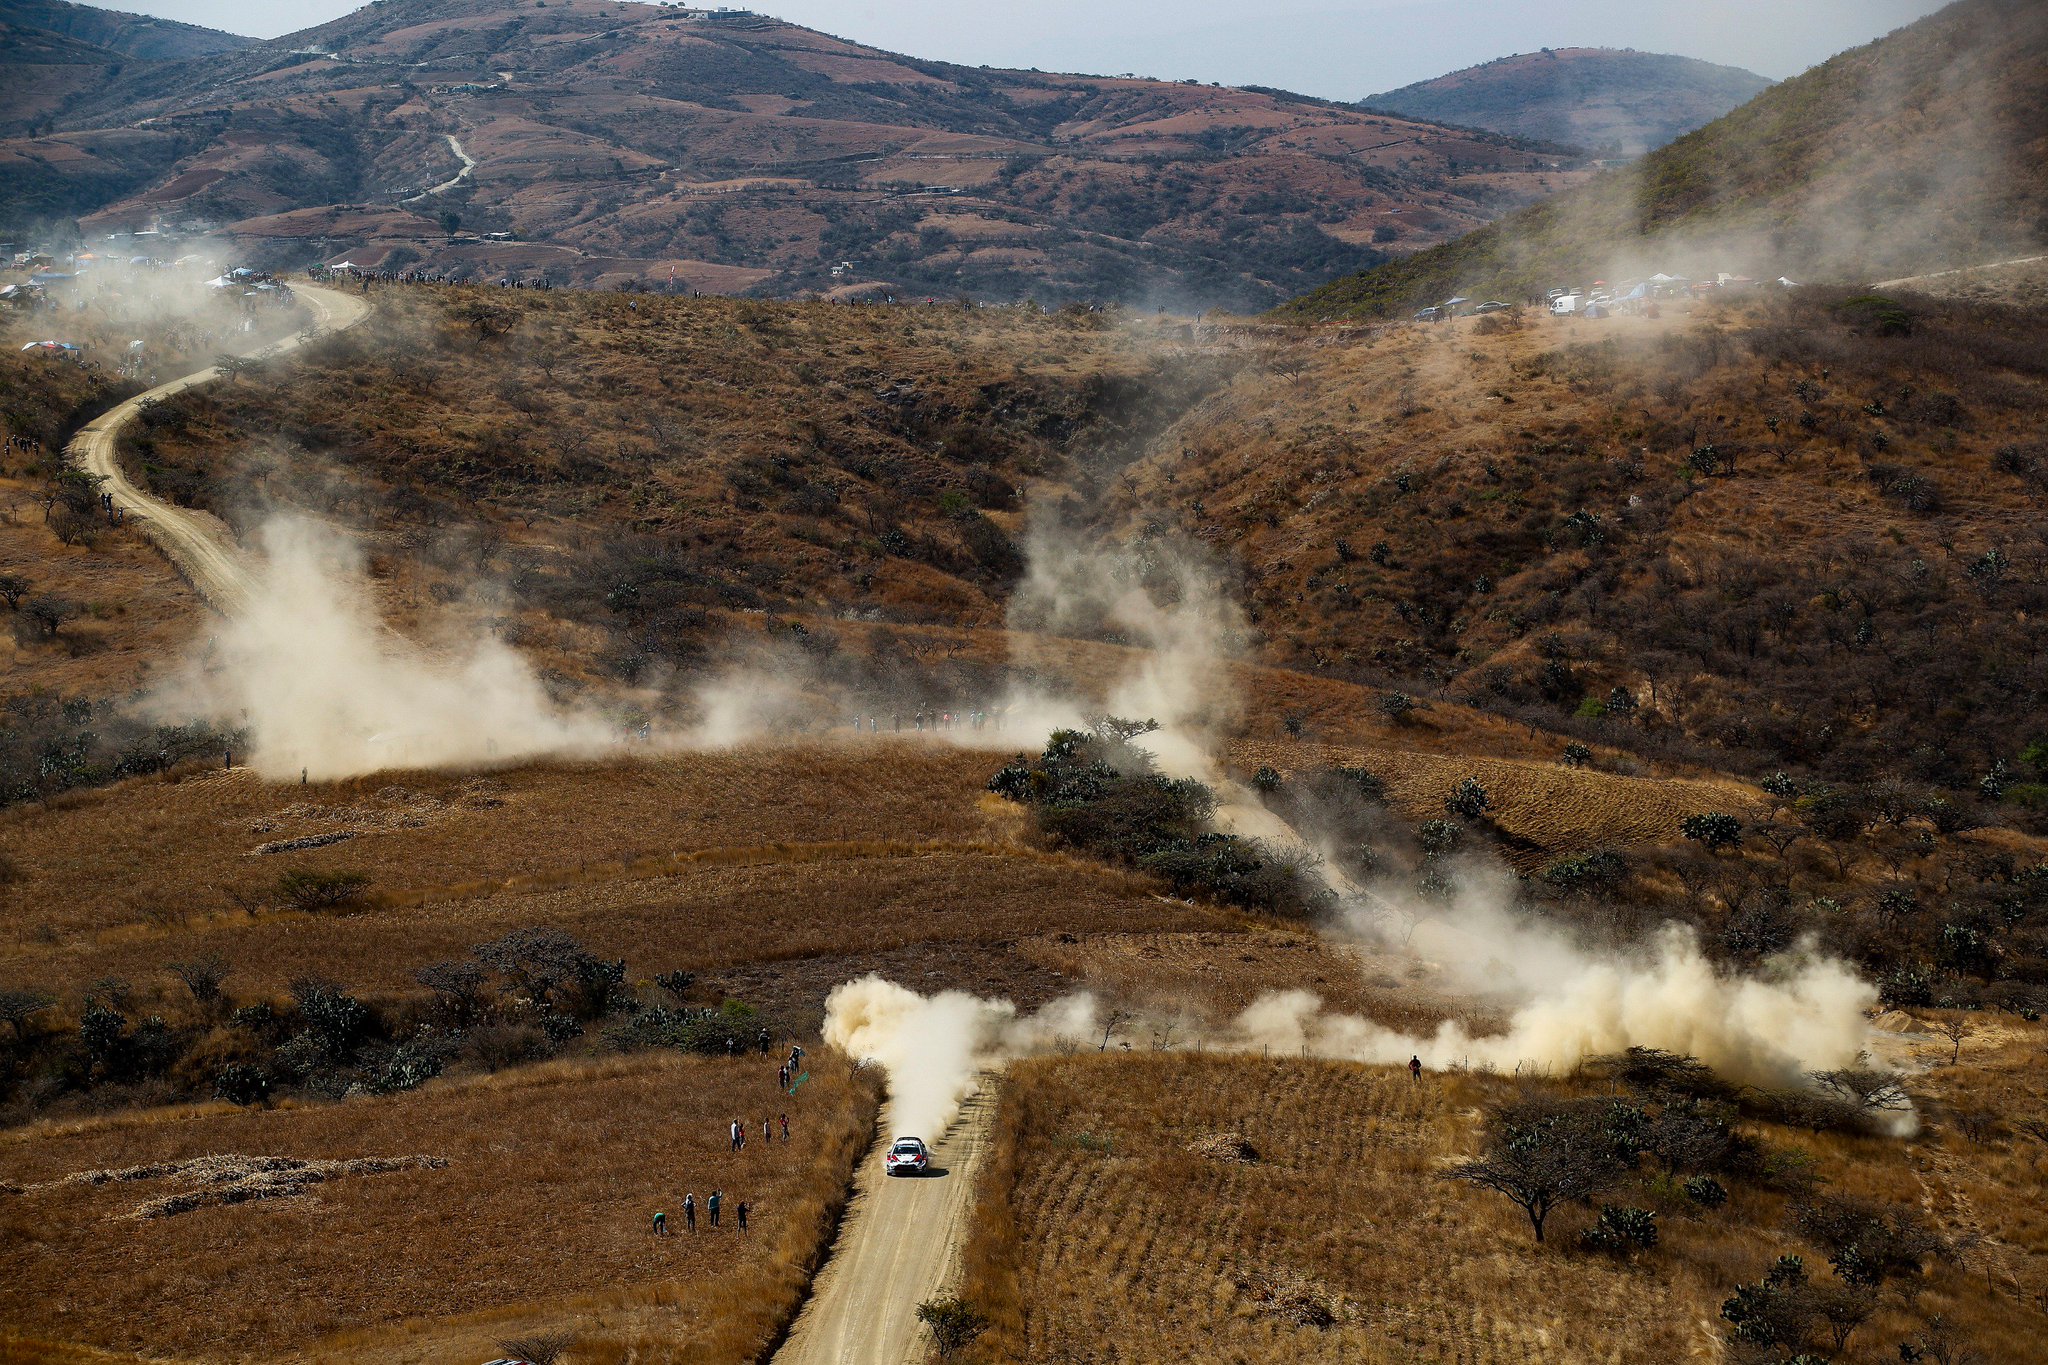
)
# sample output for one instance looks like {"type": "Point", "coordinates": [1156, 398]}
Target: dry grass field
{"type": "Point", "coordinates": [135, 614]}
{"type": "Point", "coordinates": [1123, 1221]}
{"type": "Point", "coordinates": [1547, 808]}
{"type": "Point", "coordinates": [783, 871]}
{"type": "Point", "coordinates": [534, 1214]}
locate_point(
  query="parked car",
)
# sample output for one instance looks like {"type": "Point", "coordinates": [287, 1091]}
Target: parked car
{"type": "Point", "coordinates": [1490, 306]}
{"type": "Point", "coordinates": [1429, 315]}
{"type": "Point", "coordinates": [907, 1156]}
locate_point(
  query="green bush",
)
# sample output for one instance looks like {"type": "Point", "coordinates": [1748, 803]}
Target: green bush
{"type": "Point", "coordinates": [1706, 1191]}
{"type": "Point", "coordinates": [241, 1083]}
{"type": "Point", "coordinates": [1875, 314]}
{"type": "Point", "coordinates": [710, 1032]}
{"type": "Point", "coordinates": [1620, 1230]}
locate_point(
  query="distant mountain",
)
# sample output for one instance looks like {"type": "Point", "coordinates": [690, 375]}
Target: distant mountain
{"type": "Point", "coordinates": [1924, 150]}
{"type": "Point", "coordinates": [1600, 98]}
{"type": "Point", "coordinates": [128, 35]}
{"type": "Point", "coordinates": [620, 143]}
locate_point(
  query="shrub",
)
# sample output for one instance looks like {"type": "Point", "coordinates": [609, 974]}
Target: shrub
{"type": "Point", "coordinates": [337, 1020]}
{"type": "Point", "coordinates": [1266, 781]}
{"type": "Point", "coordinates": [953, 1322]}
{"type": "Point", "coordinates": [203, 976]}
{"type": "Point", "coordinates": [1396, 707]}
{"type": "Point", "coordinates": [1706, 1191]}
{"type": "Point", "coordinates": [1620, 1230]}
{"type": "Point", "coordinates": [1238, 871]}
{"type": "Point", "coordinates": [710, 1032]}
{"type": "Point", "coordinates": [1589, 874]}
{"type": "Point", "coordinates": [539, 1348]}
{"type": "Point", "coordinates": [507, 1045]}
{"type": "Point", "coordinates": [1577, 755]}
{"type": "Point", "coordinates": [413, 1063]}
{"type": "Point", "coordinates": [1439, 837]}
{"type": "Point", "coordinates": [1469, 801]}
{"type": "Point", "coordinates": [1867, 1242]}
{"type": "Point", "coordinates": [316, 891]}
{"type": "Point", "coordinates": [1715, 830]}
{"type": "Point", "coordinates": [1876, 315]}
{"type": "Point", "coordinates": [241, 1083]}
{"type": "Point", "coordinates": [1775, 1311]}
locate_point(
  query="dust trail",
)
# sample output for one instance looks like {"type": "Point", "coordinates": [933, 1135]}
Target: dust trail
{"type": "Point", "coordinates": [1802, 1013]}
{"type": "Point", "coordinates": [322, 688]}
{"type": "Point", "coordinates": [1168, 600]}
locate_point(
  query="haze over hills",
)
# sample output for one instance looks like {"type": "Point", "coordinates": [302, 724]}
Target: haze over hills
{"type": "Point", "coordinates": [620, 142]}
{"type": "Point", "coordinates": [1925, 150]}
{"type": "Point", "coordinates": [129, 35]}
{"type": "Point", "coordinates": [1599, 98]}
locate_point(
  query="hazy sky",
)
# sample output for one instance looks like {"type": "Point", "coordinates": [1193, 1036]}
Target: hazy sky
{"type": "Point", "coordinates": [1340, 49]}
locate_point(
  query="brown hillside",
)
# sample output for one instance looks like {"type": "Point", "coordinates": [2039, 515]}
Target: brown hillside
{"type": "Point", "coordinates": [1775, 528]}
{"type": "Point", "coordinates": [619, 143]}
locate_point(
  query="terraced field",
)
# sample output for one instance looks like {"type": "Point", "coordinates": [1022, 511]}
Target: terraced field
{"type": "Point", "coordinates": [1153, 1206]}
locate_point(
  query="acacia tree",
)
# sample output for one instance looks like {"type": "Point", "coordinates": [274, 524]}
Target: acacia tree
{"type": "Point", "coordinates": [1541, 1152]}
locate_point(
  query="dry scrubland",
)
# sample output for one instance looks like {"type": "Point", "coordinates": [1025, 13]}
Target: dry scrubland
{"type": "Point", "coordinates": [535, 1217]}
{"type": "Point", "coordinates": [1148, 1207]}
{"type": "Point", "coordinates": [1780, 527]}
{"type": "Point", "coordinates": [771, 868]}
{"type": "Point", "coordinates": [708, 455]}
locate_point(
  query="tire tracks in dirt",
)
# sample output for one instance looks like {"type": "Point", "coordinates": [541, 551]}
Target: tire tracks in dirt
{"type": "Point", "coordinates": [196, 543]}
{"type": "Point", "coordinates": [898, 1246]}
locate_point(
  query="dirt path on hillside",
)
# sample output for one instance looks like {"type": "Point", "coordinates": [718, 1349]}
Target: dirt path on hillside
{"type": "Point", "coordinates": [899, 1246]}
{"type": "Point", "coordinates": [196, 542]}
{"type": "Point", "coordinates": [1958, 271]}
{"type": "Point", "coordinates": [468, 165]}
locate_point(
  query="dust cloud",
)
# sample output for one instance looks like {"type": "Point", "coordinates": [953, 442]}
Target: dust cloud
{"type": "Point", "coordinates": [1164, 603]}
{"type": "Point", "coordinates": [933, 1048]}
{"type": "Point", "coordinates": [321, 687]}
{"type": "Point", "coordinates": [1803, 1013]}
{"type": "Point", "coordinates": [1565, 1001]}
{"type": "Point", "coordinates": [1167, 597]}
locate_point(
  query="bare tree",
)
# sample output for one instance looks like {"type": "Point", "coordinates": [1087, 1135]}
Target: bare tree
{"type": "Point", "coordinates": [18, 1007]}
{"type": "Point", "coordinates": [1116, 1020]}
{"type": "Point", "coordinates": [202, 976]}
{"type": "Point", "coordinates": [1541, 1152]}
{"type": "Point", "coordinates": [1955, 1028]}
{"type": "Point", "coordinates": [1865, 1089]}
{"type": "Point", "coordinates": [460, 986]}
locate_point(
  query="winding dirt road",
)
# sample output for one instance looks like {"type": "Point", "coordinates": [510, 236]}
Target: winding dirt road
{"type": "Point", "coordinates": [900, 1245]}
{"type": "Point", "coordinates": [201, 548]}
{"type": "Point", "coordinates": [468, 165]}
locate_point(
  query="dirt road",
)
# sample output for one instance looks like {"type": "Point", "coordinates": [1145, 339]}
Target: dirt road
{"type": "Point", "coordinates": [900, 1245]}
{"type": "Point", "coordinates": [203, 549]}
{"type": "Point", "coordinates": [1959, 270]}
{"type": "Point", "coordinates": [468, 165]}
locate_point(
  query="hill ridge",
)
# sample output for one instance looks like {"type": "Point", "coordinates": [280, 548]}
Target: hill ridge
{"type": "Point", "coordinates": [1924, 150]}
{"type": "Point", "coordinates": [618, 146]}
{"type": "Point", "coordinates": [1615, 100]}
